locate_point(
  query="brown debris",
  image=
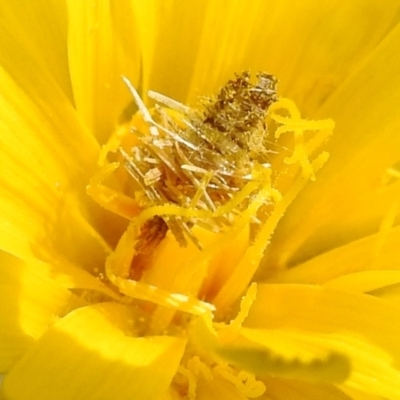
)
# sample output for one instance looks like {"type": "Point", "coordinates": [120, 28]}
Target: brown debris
{"type": "Point", "coordinates": [152, 233]}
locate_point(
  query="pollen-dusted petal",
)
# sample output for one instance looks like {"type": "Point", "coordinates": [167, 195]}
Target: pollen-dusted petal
{"type": "Point", "coordinates": [349, 199]}
{"type": "Point", "coordinates": [290, 389]}
{"type": "Point", "coordinates": [93, 350]}
{"type": "Point", "coordinates": [361, 326]}
{"type": "Point", "coordinates": [103, 44]}
{"type": "Point", "coordinates": [47, 157]}
{"type": "Point", "coordinates": [39, 29]}
{"type": "Point", "coordinates": [30, 300]}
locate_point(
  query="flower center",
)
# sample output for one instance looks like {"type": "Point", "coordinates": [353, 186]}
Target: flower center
{"type": "Point", "coordinates": [200, 160]}
{"type": "Point", "coordinates": [203, 189]}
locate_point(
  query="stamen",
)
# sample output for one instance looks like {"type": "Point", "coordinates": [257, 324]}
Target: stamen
{"type": "Point", "coordinates": [209, 167]}
{"type": "Point", "coordinates": [203, 159]}
{"type": "Point", "coordinates": [142, 108]}
{"type": "Point", "coordinates": [298, 127]}
{"type": "Point", "coordinates": [171, 103]}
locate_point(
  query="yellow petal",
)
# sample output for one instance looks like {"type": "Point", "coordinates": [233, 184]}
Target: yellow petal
{"type": "Point", "coordinates": [297, 42]}
{"type": "Point", "coordinates": [365, 281]}
{"type": "Point", "coordinates": [39, 28]}
{"type": "Point", "coordinates": [93, 350]}
{"type": "Point", "coordinates": [348, 200]}
{"type": "Point", "coordinates": [47, 158]}
{"type": "Point", "coordinates": [326, 310]}
{"type": "Point", "coordinates": [173, 38]}
{"type": "Point", "coordinates": [297, 355]}
{"type": "Point", "coordinates": [172, 395]}
{"type": "Point", "coordinates": [391, 293]}
{"type": "Point", "coordinates": [366, 254]}
{"type": "Point", "coordinates": [301, 44]}
{"type": "Point", "coordinates": [273, 352]}
{"type": "Point", "coordinates": [358, 325]}
{"type": "Point", "coordinates": [342, 321]}
{"type": "Point", "coordinates": [29, 302]}
{"type": "Point", "coordinates": [289, 389]}
{"type": "Point", "coordinates": [371, 368]}
{"type": "Point", "coordinates": [102, 46]}
{"type": "Point", "coordinates": [359, 395]}
{"type": "Point", "coordinates": [217, 389]}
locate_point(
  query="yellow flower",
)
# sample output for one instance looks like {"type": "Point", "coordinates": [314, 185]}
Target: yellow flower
{"type": "Point", "coordinates": [316, 317]}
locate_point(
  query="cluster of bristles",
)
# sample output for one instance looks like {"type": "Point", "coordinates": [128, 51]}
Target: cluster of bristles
{"type": "Point", "coordinates": [201, 158]}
